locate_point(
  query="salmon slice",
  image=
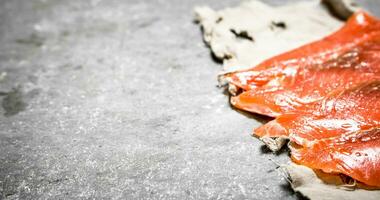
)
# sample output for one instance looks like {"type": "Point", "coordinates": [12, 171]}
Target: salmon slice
{"type": "Point", "coordinates": [339, 134]}
{"type": "Point", "coordinates": [346, 110]}
{"type": "Point", "coordinates": [356, 155]}
{"type": "Point", "coordinates": [307, 74]}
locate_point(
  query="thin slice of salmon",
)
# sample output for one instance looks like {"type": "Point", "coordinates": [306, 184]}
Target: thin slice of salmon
{"type": "Point", "coordinates": [345, 110]}
{"type": "Point", "coordinates": [307, 74]}
{"type": "Point", "coordinates": [356, 155]}
{"type": "Point", "coordinates": [339, 134]}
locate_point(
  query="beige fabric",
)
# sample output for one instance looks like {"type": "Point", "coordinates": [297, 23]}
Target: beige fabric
{"type": "Point", "coordinates": [324, 187]}
{"type": "Point", "coordinates": [273, 30]}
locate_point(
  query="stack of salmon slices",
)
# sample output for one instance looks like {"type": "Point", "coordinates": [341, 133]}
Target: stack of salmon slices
{"type": "Point", "coordinates": [325, 98]}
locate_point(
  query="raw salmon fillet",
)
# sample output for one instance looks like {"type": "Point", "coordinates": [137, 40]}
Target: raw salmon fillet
{"type": "Point", "coordinates": [307, 74]}
{"type": "Point", "coordinates": [326, 97]}
{"type": "Point", "coordinates": [339, 134]}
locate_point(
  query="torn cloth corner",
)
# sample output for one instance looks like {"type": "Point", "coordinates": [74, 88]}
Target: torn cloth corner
{"type": "Point", "coordinates": [307, 182]}
{"type": "Point", "coordinates": [246, 35]}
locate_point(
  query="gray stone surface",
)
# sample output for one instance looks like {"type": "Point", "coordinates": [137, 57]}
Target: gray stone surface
{"type": "Point", "coordinates": [118, 100]}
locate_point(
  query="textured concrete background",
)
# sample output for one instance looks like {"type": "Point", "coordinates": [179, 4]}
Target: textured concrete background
{"type": "Point", "coordinates": [118, 99]}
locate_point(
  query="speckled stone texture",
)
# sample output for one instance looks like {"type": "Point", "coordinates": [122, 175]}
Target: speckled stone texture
{"type": "Point", "coordinates": [118, 100]}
